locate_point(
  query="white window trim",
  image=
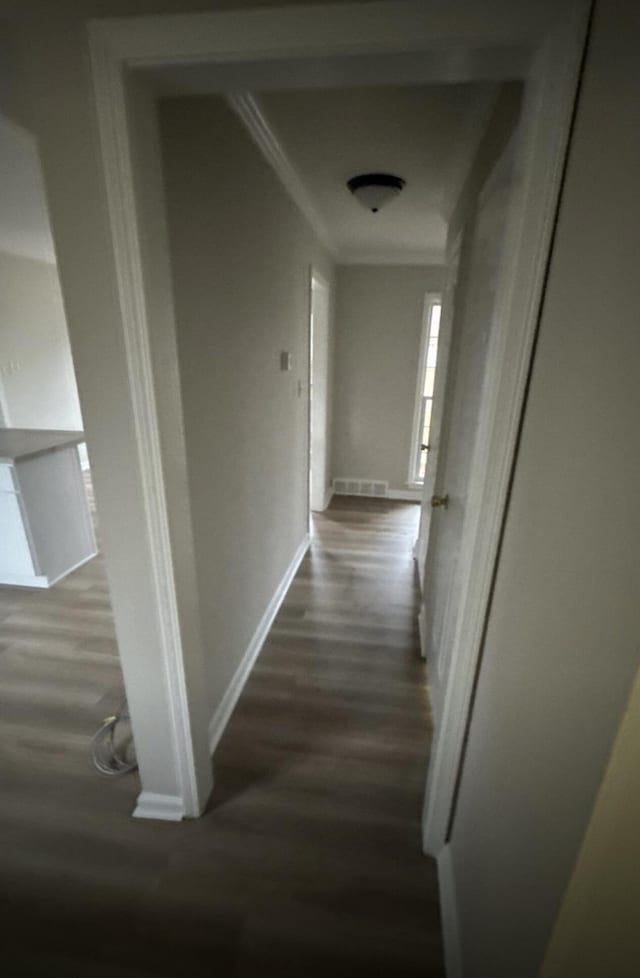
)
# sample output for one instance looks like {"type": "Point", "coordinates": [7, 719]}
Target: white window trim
{"type": "Point", "coordinates": [431, 299]}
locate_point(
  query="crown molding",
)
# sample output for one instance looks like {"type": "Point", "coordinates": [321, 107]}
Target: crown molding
{"type": "Point", "coordinates": [246, 107]}
{"type": "Point", "coordinates": [250, 114]}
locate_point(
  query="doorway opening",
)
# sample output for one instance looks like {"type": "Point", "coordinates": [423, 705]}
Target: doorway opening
{"type": "Point", "coordinates": [319, 407]}
{"type": "Point", "coordinates": [541, 71]}
{"type": "Point", "coordinates": [59, 669]}
{"type": "Point", "coordinates": [253, 50]}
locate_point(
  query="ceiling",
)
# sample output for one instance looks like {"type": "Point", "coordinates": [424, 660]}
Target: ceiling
{"type": "Point", "coordinates": [24, 219]}
{"type": "Point", "coordinates": [425, 134]}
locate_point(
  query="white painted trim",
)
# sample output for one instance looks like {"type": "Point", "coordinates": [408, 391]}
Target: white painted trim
{"type": "Point", "coordinates": [449, 915]}
{"type": "Point", "coordinates": [222, 714]}
{"type": "Point", "coordinates": [463, 39]}
{"type": "Point", "coordinates": [255, 122]}
{"type": "Point", "coordinates": [549, 99]}
{"type": "Point", "coordinates": [109, 89]}
{"type": "Point", "coordinates": [485, 30]}
{"type": "Point", "coordinates": [167, 808]}
{"type": "Point", "coordinates": [405, 495]}
{"type": "Point", "coordinates": [422, 630]}
{"type": "Point", "coordinates": [328, 496]}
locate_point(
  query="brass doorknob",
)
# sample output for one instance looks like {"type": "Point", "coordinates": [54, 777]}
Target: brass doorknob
{"type": "Point", "coordinates": [440, 501]}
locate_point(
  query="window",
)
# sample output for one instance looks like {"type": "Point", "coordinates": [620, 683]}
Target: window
{"type": "Point", "coordinates": [425, 388]}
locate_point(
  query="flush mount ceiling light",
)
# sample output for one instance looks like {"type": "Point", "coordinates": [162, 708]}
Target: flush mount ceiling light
{"type": "Point", "coordinates": [374, 190]}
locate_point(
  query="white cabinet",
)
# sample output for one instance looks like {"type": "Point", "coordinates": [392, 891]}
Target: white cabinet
{"type": "Point", "coordinates": [46, 529]}
{"type": "Point", "coordinates": [15, 553]}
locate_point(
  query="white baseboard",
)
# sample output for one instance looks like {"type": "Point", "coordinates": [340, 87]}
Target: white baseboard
{"type": "Point", "coordinates": [449, 915]}
{"type": "Point", "coordinates": [422, 629]}
{"type": "Point", "coordinates": [407, 495]}
{"type": "Point", "coordinates": [221, 716]}
{"type": "Point", "coordinates": [169, 808]}
{"type": "Point", "coordinates": [328, 496]}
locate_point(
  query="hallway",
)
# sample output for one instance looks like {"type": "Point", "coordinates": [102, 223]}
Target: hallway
{"type": "Point", "coordinates": [308, 860]}
{"type": "Point", "coordinates": [325, 757]}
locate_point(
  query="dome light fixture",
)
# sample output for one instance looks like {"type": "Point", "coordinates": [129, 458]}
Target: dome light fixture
{"type": "Point", "coordinates": [374, 190]}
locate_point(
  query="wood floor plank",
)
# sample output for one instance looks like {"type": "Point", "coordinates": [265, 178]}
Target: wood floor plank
{"type": "Point", "coordinates": [307, 861]}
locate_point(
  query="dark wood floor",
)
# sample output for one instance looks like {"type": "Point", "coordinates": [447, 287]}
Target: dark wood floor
{"type": "Point", "coordinates": [308, 860]}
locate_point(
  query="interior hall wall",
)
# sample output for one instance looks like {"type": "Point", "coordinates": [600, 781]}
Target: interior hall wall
{"type": "Point", "coordinates": [241, 255]}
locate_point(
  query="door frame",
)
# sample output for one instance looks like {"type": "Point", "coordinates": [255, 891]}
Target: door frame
{"type": "Point", "coordinates": [447, 297]}
{"type": "Point", "coordinates": [485, 40]}
{"type": "Point", "coordinates": [465, 246]}
{"type": "Point", "coordinates": [323, 283]}
{"type": "Point", "coordinates": [517, 307]}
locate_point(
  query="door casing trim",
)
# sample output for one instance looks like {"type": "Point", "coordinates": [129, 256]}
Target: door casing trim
{"type": "Point", "coordinates": [459, 44]}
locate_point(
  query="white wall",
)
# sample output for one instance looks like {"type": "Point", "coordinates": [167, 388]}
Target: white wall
{"type": "Point", "coordinates": [562, 639]}
{"type": "Point", "coordinates": [596, 932]}
{"type": "Point", "coordinates": [55, 65]}
{"type": "Point", "coordinates": [241, 256]}
{"type": "Point", "coordinates": [36, 369]}
{"type": "Point", "coordinates": [500, 125]}
{"type": "Point", "coordinates": [379, 310]}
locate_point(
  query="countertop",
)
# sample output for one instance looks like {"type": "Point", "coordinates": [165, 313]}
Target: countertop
{"type": "Point", "coordinates": [19, 443]}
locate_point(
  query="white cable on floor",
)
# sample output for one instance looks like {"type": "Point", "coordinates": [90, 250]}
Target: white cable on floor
{"type": "Point", "coordinates": [108, 759]}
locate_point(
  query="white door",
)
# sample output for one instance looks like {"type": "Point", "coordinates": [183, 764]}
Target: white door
{"type": "Point", "coordinates": [437, 409]}
{"type": "Point", "coordinates": [477, 284]}
{"type": "Point", "coordinates": [318, 390]}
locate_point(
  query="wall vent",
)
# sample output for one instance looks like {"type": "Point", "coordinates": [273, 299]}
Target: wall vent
{"type": "Point", "coordinates": [361, 487]}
